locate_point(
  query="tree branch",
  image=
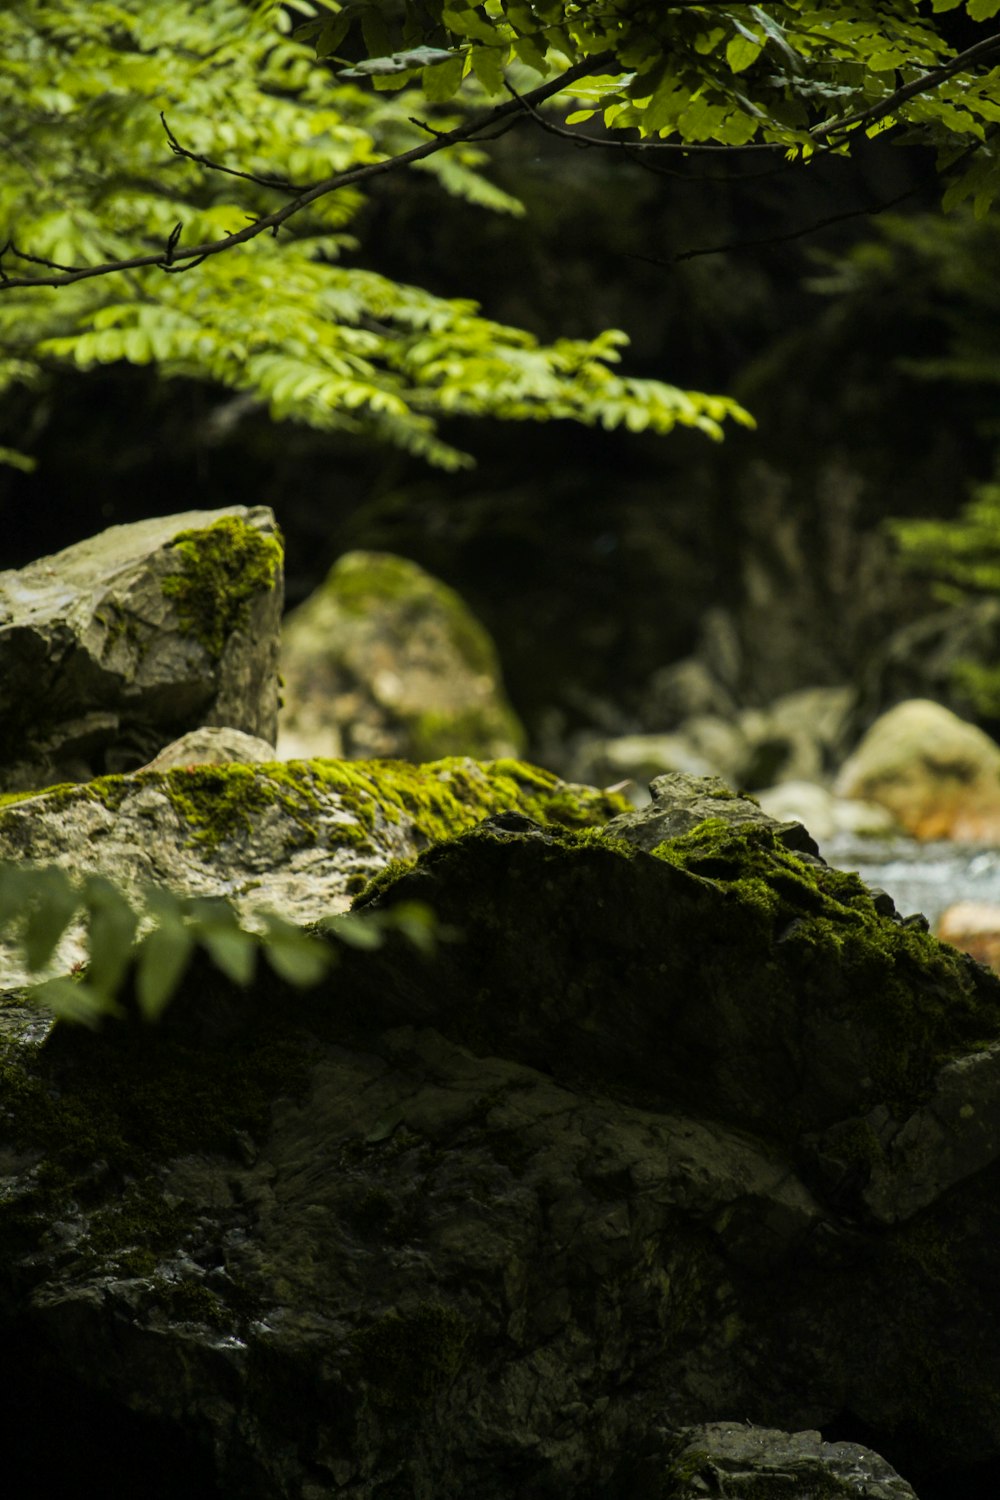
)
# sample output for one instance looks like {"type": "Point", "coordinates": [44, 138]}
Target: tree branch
{"type": "Point", "coordinates": [169, 257]}
{"type": "Point", "coordinates": [921, 85]}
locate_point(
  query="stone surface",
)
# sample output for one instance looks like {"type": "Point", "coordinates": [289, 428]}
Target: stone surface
{"type": "Point", "coordinates": [602, 761]}
{"type": "Point", "coordinates": [384, 660]}
{"type": "Point", "coordinates": [651, 1139]}
{"type": "Point", "coordinates": [744, 1462]}
{"type": "Point", "coordinates": [211, 747]}
{"type": "Point", "coordinates": [115, 646]}
{"type": "Point", "coordinates": [938, 775]}
{"type": "Point", "coordinates": [800, 736]}
{"type": "Point", "coordinates": [680, 802]}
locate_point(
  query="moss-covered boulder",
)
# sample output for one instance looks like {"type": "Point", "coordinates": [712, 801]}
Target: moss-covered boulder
{"type": "Point", "coordinates": [119, 644]}
{"type": "Point", "coordinates": [384, 660]}
{"type": "Point", "coordinates": [657, 1136]}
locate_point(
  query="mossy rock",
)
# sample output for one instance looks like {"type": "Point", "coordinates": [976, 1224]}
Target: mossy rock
{"type": "Point", "coordinates": [719, 974]}
{"type": "Point", "coordinates": [384, 659]}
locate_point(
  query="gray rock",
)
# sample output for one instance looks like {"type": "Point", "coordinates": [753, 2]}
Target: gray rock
{"type": "Point", "coordinates": [515, 1220]}
{"type": "Point", "coordinates": [212, 747]}
{"type": "Point", "coordinates": [118, 644]}
{"type": "Point", "coordinates": [745, 1462]}
{"type": "Point", "coordinates": [823, 814]}
{"type": "Point", "coordinates": [681, 801]}
{"type": "Point", "coordinates": [384, 660]}
{"type": "Point", "coordinates": [600, 761]}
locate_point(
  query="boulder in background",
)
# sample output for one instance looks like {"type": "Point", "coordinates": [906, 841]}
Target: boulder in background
{"type": "Point", "coordinates": [384, 660]}
{"type": "Point", "coordinates": [938, 775]}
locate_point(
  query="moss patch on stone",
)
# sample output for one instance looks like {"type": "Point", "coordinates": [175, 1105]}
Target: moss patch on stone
{"type": "Point", "coordinates": [921, 1000]}
{"type": "Point", "coordinates": [222, 569]}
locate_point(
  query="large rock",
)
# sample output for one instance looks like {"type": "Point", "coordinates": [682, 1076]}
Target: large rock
{"type": "Point", "coordinates": [119, 644]}
{"type": "Point", "coordinates": [384, 660]}
{"type": "Point", "coordinates": [937, 775]}
{"type": "Point", "coordinates": [660, 1136]}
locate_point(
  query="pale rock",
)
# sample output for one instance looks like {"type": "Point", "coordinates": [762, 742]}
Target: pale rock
{"type": "Point", "coordinates": [938, 775]}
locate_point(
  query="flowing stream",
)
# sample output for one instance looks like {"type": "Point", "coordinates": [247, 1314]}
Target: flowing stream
{"type": "Point", "coordinates": [920, 877]}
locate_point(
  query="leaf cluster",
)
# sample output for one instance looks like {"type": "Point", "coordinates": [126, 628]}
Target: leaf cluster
{"type": "Point", "coordinates": [149, 938]}
{"type": "Point", "coordinates": [131, 126]}
{"type": "Point", "coordinates": [796, 74]}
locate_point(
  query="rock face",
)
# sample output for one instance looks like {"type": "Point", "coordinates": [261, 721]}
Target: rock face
{"type": "Point", "coordinates": [681, 803]}
{"type": "Point", "coordinates": [938, 776]}
{"type": "Point", "coordinates": [384, 660]}
{"type": "Point", "coordinates": [660, 1134]}
{"type": "Point", "coordinates": [119, 644]}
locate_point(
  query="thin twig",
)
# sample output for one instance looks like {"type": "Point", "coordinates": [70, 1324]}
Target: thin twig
{"type": "Point", "coordinates": [470, 130]}
{"type": "Point", "coordinates": [282, 184]}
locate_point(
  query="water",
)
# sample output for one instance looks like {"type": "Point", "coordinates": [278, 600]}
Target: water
{"type": "Point", "coordinates": [920, 877]}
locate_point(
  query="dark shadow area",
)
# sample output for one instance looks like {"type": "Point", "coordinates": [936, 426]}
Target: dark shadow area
{"type": "Point", "coordinates": [915, 1460]}
{"type": "Point", "coordinates": [58, 1438]}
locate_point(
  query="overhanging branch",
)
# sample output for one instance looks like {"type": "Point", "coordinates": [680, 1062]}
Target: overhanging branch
{"type": "Point", "coordinates": [171, 257]}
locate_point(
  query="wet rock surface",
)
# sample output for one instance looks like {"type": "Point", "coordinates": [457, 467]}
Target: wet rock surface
{"type": "Point", "coordinates": [743, 1461]}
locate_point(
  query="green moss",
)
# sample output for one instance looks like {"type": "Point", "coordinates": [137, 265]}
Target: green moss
{"type": "Point", "coordinates": [220, 801]}
{"type": "Point", "coordinates": [126, 1233]}
{"type": "Point", "coordinates": [919, 1001]}
{"type": "Point", "coordinates": [406, 1358]}
{"type": "Point", "coordinates": [222, 569]}
{"type": "Point", "coordinates": [361, 580]}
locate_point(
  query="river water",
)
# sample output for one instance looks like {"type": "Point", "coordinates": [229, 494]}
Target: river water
{"type": "Point", "coordinates": [920, 877]}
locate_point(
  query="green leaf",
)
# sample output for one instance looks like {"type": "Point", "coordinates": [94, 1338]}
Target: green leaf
{"type": "Point", "coordinates": [215, 926]}
{"type": "Point", "coordinates": [487, 64]}
{"type": "Point", "coordinates": [331, 34]}
{"type": "Point", "coordinates": [297, 958]}
{"type": "Point", "coordinates": [356, 930]}
{"type": "Point", "coordinates": [74, 1000]}
{"type": "Point", "coordinates": [419, 925]}
{"type": "Point", "coordinates": [470, 24]}
{"type": "Point", "coordinates": [54, 902]}
{"type": "Point", "coordinates": [442, 81]}
{"type": "Point", "coordinates": [983, 10]}
{"type": "Point", "coordinates": [740, 53]}
{"type": "Point", "coordinates": [375, 30]}
{"type": "Point", "coordinates": [111, 925]}
{"type": "Point", "coordinates": [531, 49]}
{"type": "Point", "coordinates": [161, 963]}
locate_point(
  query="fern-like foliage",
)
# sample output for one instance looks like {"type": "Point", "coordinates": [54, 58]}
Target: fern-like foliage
{"type": "Point", "coordinates": [91, 176]}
